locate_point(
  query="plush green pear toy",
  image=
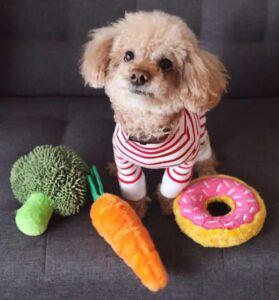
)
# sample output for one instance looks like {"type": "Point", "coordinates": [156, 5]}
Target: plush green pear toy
{"type": "Point", "coordinates": [49, 179]}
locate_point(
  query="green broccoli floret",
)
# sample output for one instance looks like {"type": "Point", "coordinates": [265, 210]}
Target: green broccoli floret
{"type": "Point", "coordinates": [51, 179]}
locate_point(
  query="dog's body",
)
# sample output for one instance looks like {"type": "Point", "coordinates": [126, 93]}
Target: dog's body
{"type": "Point", "coordinates": [160, 85]}
{"type": "Point", "coordinates": [177, 155]}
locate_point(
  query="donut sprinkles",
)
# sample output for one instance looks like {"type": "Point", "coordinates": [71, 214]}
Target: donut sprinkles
{"type": "Point", "coordinates": [244, 220]}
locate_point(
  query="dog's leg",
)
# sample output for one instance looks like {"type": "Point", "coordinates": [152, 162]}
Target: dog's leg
{"type": "Point", "coordinates": [207, 162]}
{"type": "Point", "coordinates": [165, 203]}
{"type": "Point", "coordinates": [111, 168]}
{"type": "Point", "coordinates": [140, 206]}
{"type": "Point", "coordinates": [132, 185]}
{"type": "Point", "coordinates": [175, 179]}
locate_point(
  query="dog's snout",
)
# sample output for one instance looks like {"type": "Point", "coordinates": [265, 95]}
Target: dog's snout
{"type": "Point", "coordinates": [139, 77]}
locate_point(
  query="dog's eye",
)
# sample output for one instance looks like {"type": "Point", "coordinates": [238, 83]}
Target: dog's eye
{"type": "Point", "coordinates": [165, 64]}
{"type": "Point", "coordinates": [129, 55]}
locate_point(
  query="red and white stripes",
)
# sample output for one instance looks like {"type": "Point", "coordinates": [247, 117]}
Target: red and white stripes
{"type": "Point", "coordinates": [203, 133]}
{"type": "Point", "coordinates": [177, 154]}
{"type": "Point", "coordinates": [176, 178]}
{"type": "Point", "coordinates": [131, 179]}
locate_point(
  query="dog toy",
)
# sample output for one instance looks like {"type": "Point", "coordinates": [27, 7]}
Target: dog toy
{"type": "Point", "coordinates": [244, 219]}
{"type": "Point", "coordinates": [48, 179]}
{"type": "Point", "coordinates": [117, 222]}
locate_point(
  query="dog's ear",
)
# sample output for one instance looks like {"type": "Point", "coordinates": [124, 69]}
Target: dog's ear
{"type": "Point", "coordinates": [95, 58]}
{"type": "Point", "coordinates": [204, 80]}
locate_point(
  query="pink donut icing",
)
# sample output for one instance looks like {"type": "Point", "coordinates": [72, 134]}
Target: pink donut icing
{"type": "Point", "coordinates": [193, 198]}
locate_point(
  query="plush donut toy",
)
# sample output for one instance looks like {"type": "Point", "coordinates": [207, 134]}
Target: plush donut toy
{"type": "Point", "coordinates": [243, 219]}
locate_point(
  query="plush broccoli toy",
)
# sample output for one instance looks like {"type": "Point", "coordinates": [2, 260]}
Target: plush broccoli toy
{"type": "Point", "coordinates": [48, 179]}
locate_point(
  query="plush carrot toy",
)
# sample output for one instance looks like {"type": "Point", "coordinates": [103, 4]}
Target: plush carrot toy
{"type": "Point", "coordinates": [117, 222]}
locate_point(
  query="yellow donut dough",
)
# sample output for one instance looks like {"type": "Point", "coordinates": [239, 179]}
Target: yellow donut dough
{"type": "Point", "coordinates": [220, 237]}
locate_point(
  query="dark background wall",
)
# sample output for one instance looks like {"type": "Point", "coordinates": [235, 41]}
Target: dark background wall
{"type": "Point", "coordinates": [40, 41]}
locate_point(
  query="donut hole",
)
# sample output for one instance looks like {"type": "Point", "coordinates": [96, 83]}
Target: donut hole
{"type": "Point", "coordinates": [218, 208]}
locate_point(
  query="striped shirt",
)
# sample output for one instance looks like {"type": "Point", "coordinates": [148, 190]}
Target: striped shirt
{"type": "Point", "coordinates": [181, 146]}
{"type": "Point", "coordinates": [177, 154]}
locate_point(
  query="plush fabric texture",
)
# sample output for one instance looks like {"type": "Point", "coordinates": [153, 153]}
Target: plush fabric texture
{"type": "Point", "coordinates": [117, 222]}
{"type": "Point", "coordinates": [40, 46]}
{"type": "Point", "coordinates": [33, 217]}
{"type": "Point", "coordinates": [71, 261]}
{"type": "Point", "coordinates": [221, 237]}
{"type": "Point", "coordinates": [57, 172]}
{"type": "Point", "coordinates": [41, 41]}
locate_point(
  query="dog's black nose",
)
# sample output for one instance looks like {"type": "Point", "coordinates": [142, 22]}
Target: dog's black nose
{"type": "Point", "coordinates": [139, 77]}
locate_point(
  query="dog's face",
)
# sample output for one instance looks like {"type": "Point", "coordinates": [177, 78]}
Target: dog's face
{"type": "Point", "coordinates": [153, 59]}
{"type": "Point", "coordinates": [146, 59]}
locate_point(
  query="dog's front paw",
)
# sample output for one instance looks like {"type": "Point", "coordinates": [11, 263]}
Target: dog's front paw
{"type": "Point", "coordinates": [207, 167]}
{"type": "Point", "coordinates": [166, 204]}
{"type": "Point", "coordinates": [140, 206]}
{"type": "Point", "coordinates": [111, 168]}
{"type": "Point", "coordinates": [207, 171]}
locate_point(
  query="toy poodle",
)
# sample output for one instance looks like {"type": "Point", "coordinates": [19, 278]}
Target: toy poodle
{"type": "Point", "coordinates": [160, 85]}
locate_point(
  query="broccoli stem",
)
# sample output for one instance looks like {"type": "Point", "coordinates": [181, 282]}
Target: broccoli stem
{"type": "Point", "coordinates": [33, 217]}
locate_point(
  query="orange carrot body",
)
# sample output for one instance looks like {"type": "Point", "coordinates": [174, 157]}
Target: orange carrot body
{"type": "Point", "coordinates": [117, 222]}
